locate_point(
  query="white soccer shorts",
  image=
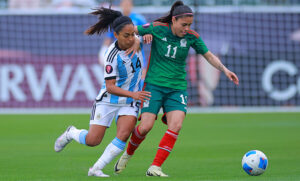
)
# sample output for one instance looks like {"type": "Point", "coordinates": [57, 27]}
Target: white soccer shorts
{"type": "Point", "coordinates": [104, 114]}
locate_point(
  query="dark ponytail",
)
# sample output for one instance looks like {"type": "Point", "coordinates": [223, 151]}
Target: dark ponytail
{"type": "Point", "coordinates": [178, 9]}
{"type": "Point", "coordinates": [108, 18]}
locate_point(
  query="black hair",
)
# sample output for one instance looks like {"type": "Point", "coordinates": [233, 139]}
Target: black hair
{"type": "Point", "coordinates": [108, 18]}
{"type": "Point", "coordinates": [178, 10]}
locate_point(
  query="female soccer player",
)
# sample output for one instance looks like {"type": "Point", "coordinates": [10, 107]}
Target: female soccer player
{"type": "Point", "coordinates": [165, 79]}
{"type": "Point", "coordinates": [119, 96]}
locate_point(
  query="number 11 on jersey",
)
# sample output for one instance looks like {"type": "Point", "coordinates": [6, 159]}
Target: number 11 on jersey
{"type": "Point", "coordinates": [169, 50]}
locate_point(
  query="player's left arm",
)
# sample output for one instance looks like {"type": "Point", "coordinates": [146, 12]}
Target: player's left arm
{"type": "Point", "coordinates": [135, 47]}
{"type": "Point", "coordinates": [137, 44]}
{"type": "Point", "coordinates": [216, 62]}
{"type": "Point", "coordinates": [113, 89]}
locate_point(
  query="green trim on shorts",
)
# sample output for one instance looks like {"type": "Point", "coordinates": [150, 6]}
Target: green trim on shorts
{"type": "Point", "coordinates": [168, 98]}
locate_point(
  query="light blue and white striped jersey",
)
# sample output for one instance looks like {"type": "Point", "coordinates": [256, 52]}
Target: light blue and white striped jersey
{"type": "Point", "coordinates": [127, 72]}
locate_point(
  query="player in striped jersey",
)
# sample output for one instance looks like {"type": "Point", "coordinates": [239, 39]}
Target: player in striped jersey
{"type": "Point", "coordinates": [166, 80]}
{"type": "Point", "coordinates": [125, 70]}
{"type": "Point", "coordinates": [119, 96]}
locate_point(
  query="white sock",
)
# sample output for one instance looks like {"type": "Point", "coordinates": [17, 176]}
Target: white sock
{"type": "Point", "coordinates": [78, 135]}
{"type": "Point", "coordinates": [111, 151]}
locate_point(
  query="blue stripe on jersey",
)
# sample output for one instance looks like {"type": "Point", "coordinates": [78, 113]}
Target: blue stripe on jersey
{"type": "Point", "coordinates": [122, 78]}
{"type": "Point", "coordinates": [135, 77]}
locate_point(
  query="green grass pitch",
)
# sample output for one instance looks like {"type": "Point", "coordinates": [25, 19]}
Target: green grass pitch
{"type": "Point", "coordinates": [209, 147]}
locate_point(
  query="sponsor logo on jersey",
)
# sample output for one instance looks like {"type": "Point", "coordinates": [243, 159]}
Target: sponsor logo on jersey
{"type": "Point", "coordinates": [183, 42]}
{"type": "Point", "coordinates": [108, 69]}
{"type": "Point", "coordinates": [146, 25]}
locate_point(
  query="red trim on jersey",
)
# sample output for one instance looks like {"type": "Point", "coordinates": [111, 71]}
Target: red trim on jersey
{"type": "Point", "coordinates": [142, 103]}
{"type": "Point", "coordinates": [145, 82]}
{"type": "Point", "coordinates": [147, 67]}
{"type": "Point", "coordinates": [157, 23]}
{"type": "Point", "coordinates": [194, 33]}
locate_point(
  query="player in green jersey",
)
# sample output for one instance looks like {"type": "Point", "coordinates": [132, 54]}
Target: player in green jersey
{"type": "Point", "coordinates": [165, 79]}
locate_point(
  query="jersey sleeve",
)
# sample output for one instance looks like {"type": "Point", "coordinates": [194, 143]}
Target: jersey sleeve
{"type": "Point", "coordinates": [199, 46]}
{"type": "Point", "coordinates": [110, 66]}
{"type": "Point", "coordinates": [145, 29]}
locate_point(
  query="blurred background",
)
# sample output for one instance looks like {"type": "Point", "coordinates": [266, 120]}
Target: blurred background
{"type": "Point", "coordinates": [47, 63]}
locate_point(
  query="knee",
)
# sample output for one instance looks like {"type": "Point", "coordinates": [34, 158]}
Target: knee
{"type": "Point", "coordinates": [144, 129]}
{"type": "Point", "coordinates": [92, 141]}
{"type": "Point", "coordinates": [175, 127]}
{"type": "Point", "coordinates": [123, 135]}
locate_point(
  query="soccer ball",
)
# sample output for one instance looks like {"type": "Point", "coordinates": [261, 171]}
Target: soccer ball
{"type": "Point", "coordinates": [254, 162]}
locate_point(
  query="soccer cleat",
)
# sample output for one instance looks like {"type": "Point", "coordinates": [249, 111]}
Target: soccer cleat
{"type": "Point", "coordinates": [155, 171]}
{"type": "Point", "coordinates": [122, 162]}
{"type": "Point", "coordinates": [63, 140]}
{"type": "Point", "coordinates": [96, 173]}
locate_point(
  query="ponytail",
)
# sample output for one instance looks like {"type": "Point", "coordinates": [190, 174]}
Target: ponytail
{"type": "Point", "coordinates": [108, 18]}
{"type": "Point", "coordinates": [178, 9]}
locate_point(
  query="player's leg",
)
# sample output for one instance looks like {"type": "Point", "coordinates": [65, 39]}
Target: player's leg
{"type": "Point", "coordinates": [140, 132]}
{"type": "Point", "coordinates": [125, 125]}
{"type": "Point", "coordinates": [96, 132]}
{"type": "Point", "coordinates": [126, 122]}
{"type": "Point", "coordinates": [136, 139]}
{"type": "Point", "coordinates": [175, 119]}
{"type": "Point", "coordinates": [149, 111]}
{"type": "Point", "coordinates": [175, 108]}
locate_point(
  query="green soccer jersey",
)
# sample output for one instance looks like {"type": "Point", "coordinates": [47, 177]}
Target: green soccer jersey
{"type": "Point", "coordinates": [168, 55]}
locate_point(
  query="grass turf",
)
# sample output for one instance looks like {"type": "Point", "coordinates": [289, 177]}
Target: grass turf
{"type": "Point", "coordinates": [209, 147]}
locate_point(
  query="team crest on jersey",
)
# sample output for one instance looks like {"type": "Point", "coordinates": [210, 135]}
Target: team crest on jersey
{"type": "Point", "coordinates": [146, 25]}
{"type": "Point", "coordinates": [183, 42]}
{"type": "Point", "coordinates": [108, 69]}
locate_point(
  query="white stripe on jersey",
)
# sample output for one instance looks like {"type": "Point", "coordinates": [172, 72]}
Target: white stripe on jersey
{"type": "Point", "coordinates": [127, 72]}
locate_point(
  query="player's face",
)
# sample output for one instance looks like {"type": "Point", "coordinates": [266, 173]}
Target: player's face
{"type": "Point", "coordinates": [182, 25]}
{"type": "Point", "coordinates": [126, 37]}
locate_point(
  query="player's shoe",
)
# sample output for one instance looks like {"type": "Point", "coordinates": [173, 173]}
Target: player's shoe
{"type": "Point", "coordinates": [155, 171]}
{"type": "Point", "coordinates": [164, 119]}
{"type": "Point", "coordinates": [122, 162]}
{"type": "Point", "coordinates": [63, 140]}
{"type": "Point", "coordinates": [96, 173]}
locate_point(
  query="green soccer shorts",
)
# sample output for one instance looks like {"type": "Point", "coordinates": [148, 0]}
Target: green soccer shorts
{"type": "Point", "coordinates": [168, 98]}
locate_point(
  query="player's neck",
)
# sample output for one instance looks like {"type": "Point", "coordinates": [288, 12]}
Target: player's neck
{"type": "Point", "coordinates": [120, 47]}
{"type": "Point", "coordinates": [172, 29]}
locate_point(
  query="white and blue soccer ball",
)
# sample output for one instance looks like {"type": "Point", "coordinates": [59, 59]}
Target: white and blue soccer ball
{"type": "Point", "coordinates": [255, 162]}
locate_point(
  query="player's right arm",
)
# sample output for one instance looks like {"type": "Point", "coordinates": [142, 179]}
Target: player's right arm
{"type": "Point", "coordinates": [144, 29]}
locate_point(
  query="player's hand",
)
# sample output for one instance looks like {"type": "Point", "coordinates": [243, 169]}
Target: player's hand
{"type": "Point", "coordinates": [141, 95]}
{"type": "Point", "coordinates": [231, 76]}
{"type": "Point", "coordinates": [147, 39]}
{"type": "Point", "coordinates": [134, 48]}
